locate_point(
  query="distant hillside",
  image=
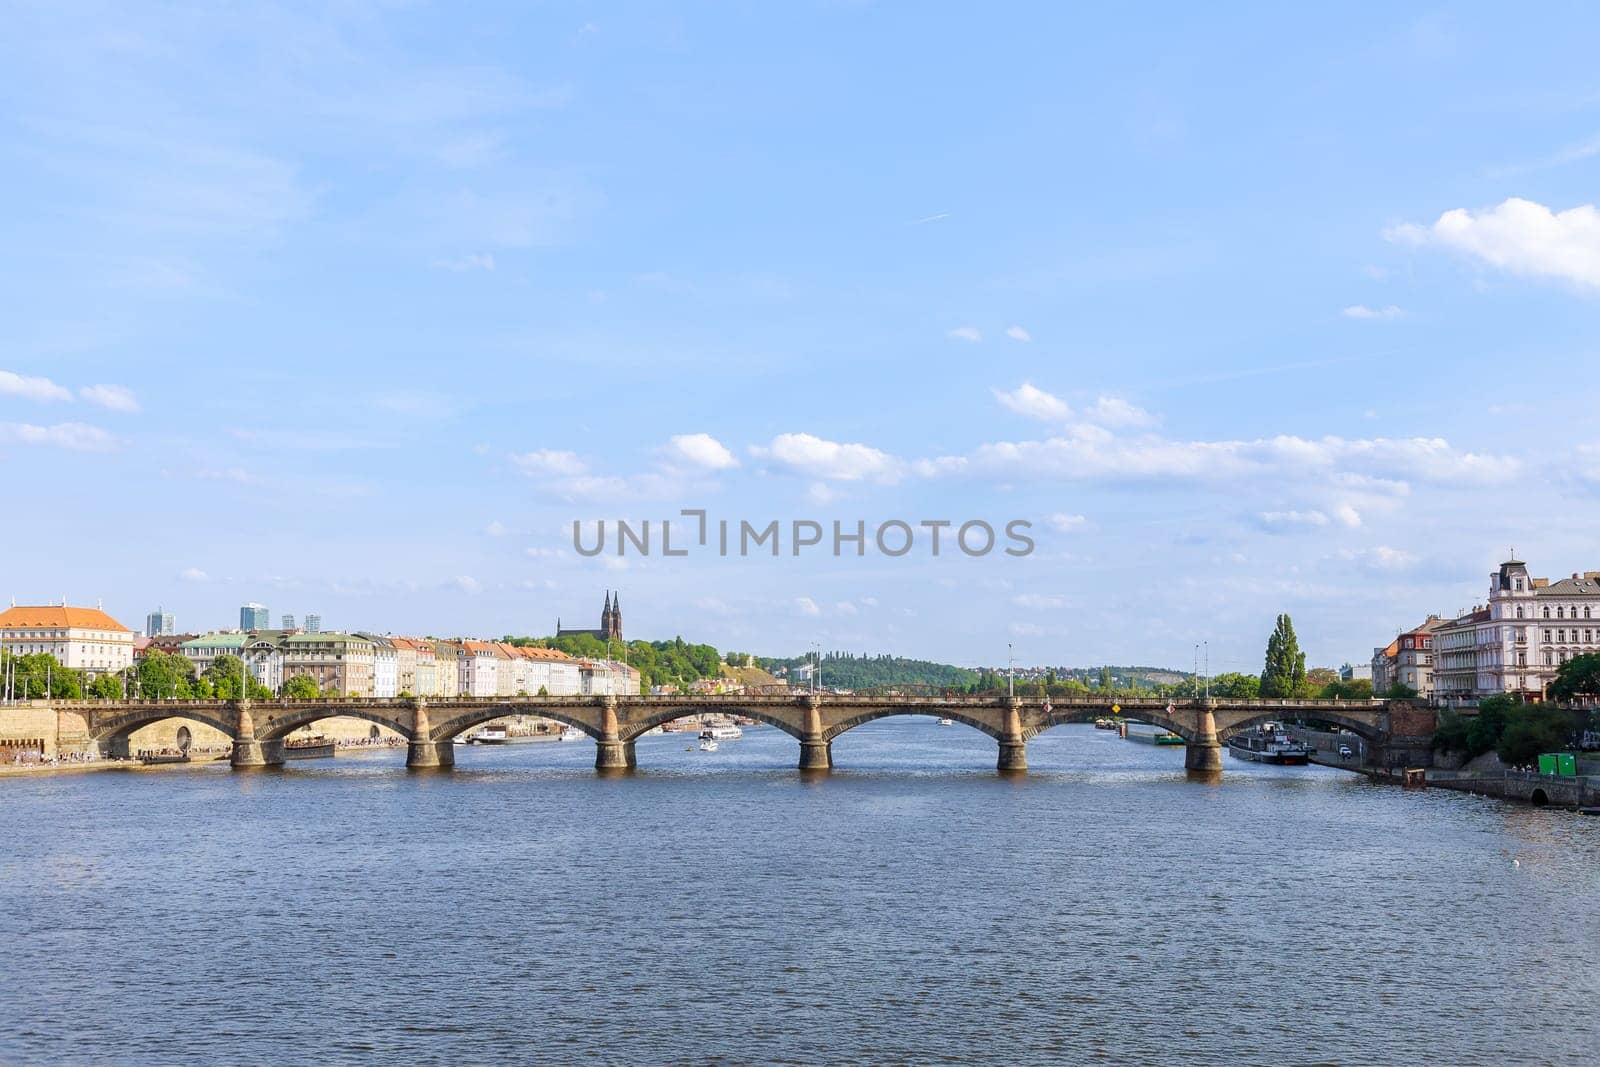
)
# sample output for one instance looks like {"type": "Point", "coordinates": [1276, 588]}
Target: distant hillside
{"type": "Point", "coordinates": [844, 670]}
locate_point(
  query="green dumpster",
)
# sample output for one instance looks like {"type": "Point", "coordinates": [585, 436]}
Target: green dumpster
{"type": "Point", "coordinates": [1547, 763]}
{"type": "Point", "coordinates": [1567, 764]}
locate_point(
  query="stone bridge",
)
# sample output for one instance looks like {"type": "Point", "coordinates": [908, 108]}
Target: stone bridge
{"type": "Point", "coordinates": [258, 728]}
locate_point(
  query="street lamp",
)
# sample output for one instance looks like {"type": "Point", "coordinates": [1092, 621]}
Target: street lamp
{"type": "Point", "coordinates": [1011, 662]}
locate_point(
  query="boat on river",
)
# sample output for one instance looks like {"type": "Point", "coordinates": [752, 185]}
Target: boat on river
{"type": "Point", "coordinates": [1269, 743]}
{"type": "Point", "coordinates": [1149, 735]}
{"type": "Point", "coordinates": [947, 722]}
{"type": "Point", "coordinates": [488, 735]}
{"type": "Point", "coordinates": [708, 744]}
{"type": "Point", "coordinates": [314, 747]}
{"type": "Point", "coordinates": [721, 733]}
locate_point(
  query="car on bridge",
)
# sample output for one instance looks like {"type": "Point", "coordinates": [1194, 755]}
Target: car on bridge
{"type": "Point", "coordinates": [1344, 752]}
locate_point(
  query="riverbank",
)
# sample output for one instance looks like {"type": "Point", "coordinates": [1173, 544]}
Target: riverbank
{"type": "Point", "coordinates": [26, 770]}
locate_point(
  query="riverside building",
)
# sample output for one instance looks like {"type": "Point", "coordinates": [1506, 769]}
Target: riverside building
{"type": "Point", "coordinates": [1516, 641]}
{"type": "Point", "coordinates": [85, 639]}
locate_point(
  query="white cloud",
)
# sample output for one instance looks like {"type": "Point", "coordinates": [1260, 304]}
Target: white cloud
{"type": "Point", "coordinates": [496, 528]}
{"type": "Point", "coordinates": [1090, 453]}
{"type": "Point", "coordinates": [1362, 311]}
{"type": "Point", "coordinates": [12, 384]}
{"type": "Point", "coordinates": [1345, 515]}
{"type": "Point", "coordinates": [699, 450]}
{"type": "Point", "coordinates": [1293, 518]}
{"type": "Point", "coordinates": [1025, 629]}
{"type": "Point", "coordinates": [193, 574]}
{"type": "Point", "coordinates": [807, 606]}
{"type": "Point", "coordinates": [970, 334]}
{"type": "Point", "coordinates": [467, 584]}
{"type": "Point", "coordinates": [1382, 558]}
{"type": "Point", "coordinates": [466, 263]}
{"type": "Point", "coordinates": [1519, 236]}
{"type": "Point", "coordinates": [550, 461]}
{"type": "Point", "coordinates": [76, 436]}
{"type": "Point", "coordinates": [844, 607]}
{"type": "Point", "coordinates": [815, 457]}
{"type": "Point", "coordinates": [1065, 523]}
{"type": "Point", "coordinates": [1039, 601]}
{"type": "Point", "coordinates": [237, 475]}
{"type": "Point", "coordinates": [820, 493]}
{"type": "Point", "coordinates": [1034, 403]}
{"type": "Point", "coordinates": [111, 397]}
{"type": "Point", "coordinates": [1017, 333]}
{"type": "Point", "coordinates": [1116, 412]}
{"type": "Point", "coordinates": [546, 553]}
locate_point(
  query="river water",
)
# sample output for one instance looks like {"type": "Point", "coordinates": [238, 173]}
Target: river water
{"type": "Point", "coordinates": [912, 907]}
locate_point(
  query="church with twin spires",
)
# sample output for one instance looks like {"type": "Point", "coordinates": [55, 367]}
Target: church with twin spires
{"type": "Point", "coordinates": [610, 622]}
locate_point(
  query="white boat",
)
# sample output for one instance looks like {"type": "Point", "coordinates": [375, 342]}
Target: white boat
{"type": "Point", "coordinates": [721, 733]}
{"type": "Point", "coordinates": [572, 733]}
{"type": "Point", "coordinates": [707, 745]}
{"type": "Point", "coordinates": [947, 722]}
{"type": "Point", "coordinates": [489, 735]}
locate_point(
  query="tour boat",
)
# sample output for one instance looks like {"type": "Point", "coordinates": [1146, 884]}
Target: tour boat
{"type": "Point", "coordinates": [947, 722]}
{"type": "Point", "coordinates": [314, 747]}
{"type": "Point", "coordinates": [1149, 735]}
{"type": "Point", "coordinates": [1269, 743]}
{"type": "Point", "coordinates": [572, 733]}
{"type": "Point", "coordinates": [721, 733]}
{"type": "Point", "coordinates": [708, 744]}
{"type": "Point", "coordinates": [489, 735]}
{"type": "Point", "coordinates": [1105, 724]}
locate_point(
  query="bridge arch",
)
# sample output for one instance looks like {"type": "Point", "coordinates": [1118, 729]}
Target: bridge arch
{"type": "Point", "coordinates": [1065, 716]}
{"type": "Point", "coordinates": [1370, 731]}
{"type": "Point", "coordinates": [459, 723]}
{"type": "Point", "coordinates": [874, 714]}
{"type": "Point", "coordinates": [120, 727]}
{"type": "Point", "coordinates": [639, 727]}
{"type": "Point", "coordinates": [275, 726]}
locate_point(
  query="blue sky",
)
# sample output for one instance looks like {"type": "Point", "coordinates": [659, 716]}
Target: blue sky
{"type": "Point", "coordinates": [356, 310]}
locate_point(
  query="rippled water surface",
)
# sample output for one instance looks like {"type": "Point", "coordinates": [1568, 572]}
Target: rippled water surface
{"type": "Point", "coordinates": [717, 908]}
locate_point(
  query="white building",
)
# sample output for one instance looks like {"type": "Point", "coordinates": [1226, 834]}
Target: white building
{"type": "Point", "coordinates": [85, 639]}
{"type": "Point", "coordinates": [478, 669]}
{"type": "Point", "coordinates": [1518, 640]}
{"type": "Point", "coordinates": [385, 667]}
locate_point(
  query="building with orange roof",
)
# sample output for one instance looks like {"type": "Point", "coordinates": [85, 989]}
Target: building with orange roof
{"type": "Point", "coordinates": [479, 669]}
{"type": "Point", "coordinates": [85, 639]}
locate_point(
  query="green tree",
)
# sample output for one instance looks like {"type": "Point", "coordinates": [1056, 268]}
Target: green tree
{"type": "Point", "coordinates": [1285, 670]}
{"type": "Point", "coordinates": [106, 687]}
{"type": "Point", "coordinates": [161, 676]}
{"type": "Point", "coordinates": [1532, 729]}
{"type": "Point", "coordinates": [1579, 676]}
{"type": "Point", "coordinates": [301, 687]}
{"type": "Point", "coordinates": [1234, 686]}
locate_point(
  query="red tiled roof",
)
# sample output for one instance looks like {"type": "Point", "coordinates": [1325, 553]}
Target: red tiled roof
{"type": "Point", "coordinates": [56, 615]}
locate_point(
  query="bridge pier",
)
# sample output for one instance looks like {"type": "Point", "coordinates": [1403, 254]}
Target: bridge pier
{"type": "Point", "coordinates": [816, 751]}
{"type": "Point", "coordinates": [423, 754]}
{"type": "Point", "coordinates": [816, 754]}
{"type": "Point", "coordinates": [1203, 755]}
{"type": "Point", "coordinates": [1013, 749]}
{"type": "Point", "coordinates": [430, 755]}
{"type": "Point", "coordinates": [614, 755]}
{"type": "Point", "coordinates": [248, 753]}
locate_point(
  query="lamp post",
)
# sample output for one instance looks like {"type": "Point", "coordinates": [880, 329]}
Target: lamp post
{"type": "Point", "coordinates": [1011, 664]}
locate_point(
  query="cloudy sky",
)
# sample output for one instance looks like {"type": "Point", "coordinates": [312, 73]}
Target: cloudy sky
{"type": "Point", "coordinates": [356, 311]}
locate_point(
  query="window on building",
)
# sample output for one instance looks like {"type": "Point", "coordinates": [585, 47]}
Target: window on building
{"type": "Point", "coordinates": [1547, 635]}
{"type": "Point", "coordinates": [1519, 611]}
{"type": "Point", "coordinates": [1547, 613]}
{"type": "Point", "coordinates": [1548, 658]}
